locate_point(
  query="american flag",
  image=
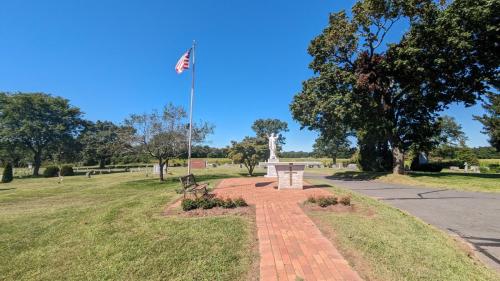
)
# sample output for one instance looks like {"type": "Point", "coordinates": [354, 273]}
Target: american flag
{"type": "Point", "coordinates": [183, 62]}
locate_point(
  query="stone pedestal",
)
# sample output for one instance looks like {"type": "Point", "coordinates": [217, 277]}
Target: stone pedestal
{"type": "Point", "coordinates": [290, 175]}
{"type": "Point", "coordinates": [271, 170]}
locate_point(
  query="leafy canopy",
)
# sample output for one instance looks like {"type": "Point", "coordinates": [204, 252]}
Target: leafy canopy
{"type": "Point", "coordinates": [37, 122]}
{"type": "Point", "coordinates": [249, 152]}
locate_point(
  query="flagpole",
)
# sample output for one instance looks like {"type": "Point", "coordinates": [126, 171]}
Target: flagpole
{"type": "Point", "coordinates": [191, 111]}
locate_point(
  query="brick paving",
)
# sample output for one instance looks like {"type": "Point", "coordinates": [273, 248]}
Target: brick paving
{"type": "Point", "coordinates": [290, 244]}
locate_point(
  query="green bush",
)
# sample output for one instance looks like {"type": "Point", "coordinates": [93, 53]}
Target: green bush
{"type": "Point", "coordinates": [205, 203]}
{"type": "Point", "coordinates": [229, 204]}
{"type": "Point", "coordinates": [7, 175]}
{"type": "Point", "coordinates": [311, 199]}
{"type": "Point", "coordinates": [67, 171]}
{"type": "Point", "coordinates": [346, 200]}
{"type": "Point", "coordinates": [188, 204]}
{"type": "Point", "coordinates": [467, 155]}
{"type": "Point", "coordinates": [209, 203]}
{"type": "Point", "coordinates": [51, 171]}
{"type": "Point", "coordinates": [240, 202]}
{"type": "Point", "coordinates": [494, 168]}
{"type": "Point", "coordinates": [218, 202]}
{"type": "Point", "coordinates": [326, 201]}
{"type": "Point", "coordinates": [429, 167]}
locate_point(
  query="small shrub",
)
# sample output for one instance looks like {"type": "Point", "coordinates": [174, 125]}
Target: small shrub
{"type": "Point", "coordinates": [346, 200]}
{"type": "Point", "coordinates": [218, 202]}
{"type": "Point", "coordinates": [188, 204]}
{"type": "Point", "coordinates": [229, 204]}
{"type": "Point", "coordinates": [51, 171]}
{"type": "Point", "coordinates": [205, 203]}
{"type": "Point", "coordinates": [7, 175]}
{"type": "Point", "coordinates": [67, 171]}
{"type": "Point", "coordinates": [494, 168]}
{"type": "Point", "coordinates": [326, 201]}
{"type": "Point", "coordinates": [311, 199]}
{"type": "Point", "coordinates": [240, 202]}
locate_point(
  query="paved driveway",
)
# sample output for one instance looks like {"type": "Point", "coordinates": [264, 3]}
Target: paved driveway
{"type": "Point", "coordinates": [474, 216]}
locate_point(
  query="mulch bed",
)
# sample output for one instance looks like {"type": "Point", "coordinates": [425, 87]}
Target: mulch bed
{"type": "Point", "coordinates": [175, 210]}
{"type": "Point", "coordinates": [339, 208]}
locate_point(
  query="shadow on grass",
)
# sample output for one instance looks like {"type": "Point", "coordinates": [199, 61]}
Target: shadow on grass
{"type": "Point", "coordinates": [356, 176]}
{"type": "Point", "coordinates": [5, 189]}
{"type": "Point", "coordinates": [444, 174]}
{"type": "Point", "coordinates": [172, 181]}
{"type": "Point", "coordinates": [317, 186]}
{"type": "Point", "coordinates": [481, 244]}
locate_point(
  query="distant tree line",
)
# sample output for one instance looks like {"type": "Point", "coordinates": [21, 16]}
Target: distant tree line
{"type": "Point", "coordinates": [37, 128]}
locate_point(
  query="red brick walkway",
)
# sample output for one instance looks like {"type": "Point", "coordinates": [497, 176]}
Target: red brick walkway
{"type": "Point", "coordinates": [290, 244]}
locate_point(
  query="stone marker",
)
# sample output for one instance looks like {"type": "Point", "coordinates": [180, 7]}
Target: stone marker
{"type": "Point", "coordinates": [290, 175]}
{"type": "Point", "coordinates": [352, 167]}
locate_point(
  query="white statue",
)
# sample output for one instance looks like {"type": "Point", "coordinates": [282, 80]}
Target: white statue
{"type": "Point", "coordinates": [272, 145]}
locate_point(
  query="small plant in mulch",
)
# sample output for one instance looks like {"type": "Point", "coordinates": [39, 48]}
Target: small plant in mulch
{"type": "Point", "coordinates": [209, 203]}
{"type": "Point", "coordinates": [325, 201]}
{"type": "Point", "coordinates": [240, 202]}
{"type": "Point", "coordinates": [311, 199]}
{"type": "Point", "coordinates": [345, 200]}
{"type": "Point", "coordinates": [189, 204]}
{"type": "Point", "coordinates": [229, 204]}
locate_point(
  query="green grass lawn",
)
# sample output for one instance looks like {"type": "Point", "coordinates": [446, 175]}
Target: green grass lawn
{"type": "Point", "coordinates": [459, 181]}
{"type": "Point", "coordinates": [451, 180]}
{"type": "Point", "coordinates": [384, 243]}
{"type": "Point", "coordinates": [112, 227]}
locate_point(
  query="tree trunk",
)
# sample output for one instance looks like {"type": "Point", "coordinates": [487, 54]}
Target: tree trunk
{"type": "Point", "coordinates": [160, 162]}
{"type": "Point", "coordinates": [398, 167]}
{"type": "Point", "coordinates": [102, 163]}
{"type": "Point", "coordinates": [249, 168]}
{"type": "Point", "coordinates": [334, 159]}
{"type": "Point", "coordinates": [166, 167]}
{"type": "Point", "coordinates": [37, 159]}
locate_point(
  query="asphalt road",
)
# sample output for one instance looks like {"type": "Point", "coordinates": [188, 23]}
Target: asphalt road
{"type": "Point", "coordinates": [473, 216]}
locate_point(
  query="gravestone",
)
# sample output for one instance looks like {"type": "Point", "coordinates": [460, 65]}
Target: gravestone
{"type": "Point", "coordinates": [352, 167]}
{"type": "Point", "coordinates": [156, 169]}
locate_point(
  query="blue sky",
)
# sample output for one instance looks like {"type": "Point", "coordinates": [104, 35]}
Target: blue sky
{"type": "Point", "coordinates": [114, 58]}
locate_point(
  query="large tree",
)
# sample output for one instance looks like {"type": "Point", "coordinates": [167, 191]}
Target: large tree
{"type": "Point", "coordinates": [249, 152]}
{"type": "Point", "coordinates": [265, 127]}
{"type": "Point", "coordinates": [37, 122]}
{"type": "Point", "coordinates": [103, 140]}
{"type": "Point", "coordinates": [491, 120]}
{"type": "Point", "coordinates": [164, 135]}
{"type": "Point", "coordinates": [387, 96]}
{"type": "Point", "coordinates": [333, 147]}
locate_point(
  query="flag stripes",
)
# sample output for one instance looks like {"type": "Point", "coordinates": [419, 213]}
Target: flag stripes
{"type": "Point", "coordinates": [183, 62]}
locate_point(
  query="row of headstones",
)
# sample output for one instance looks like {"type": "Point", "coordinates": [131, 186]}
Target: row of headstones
{"type": "Point", "coordinates": [467, 168]}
